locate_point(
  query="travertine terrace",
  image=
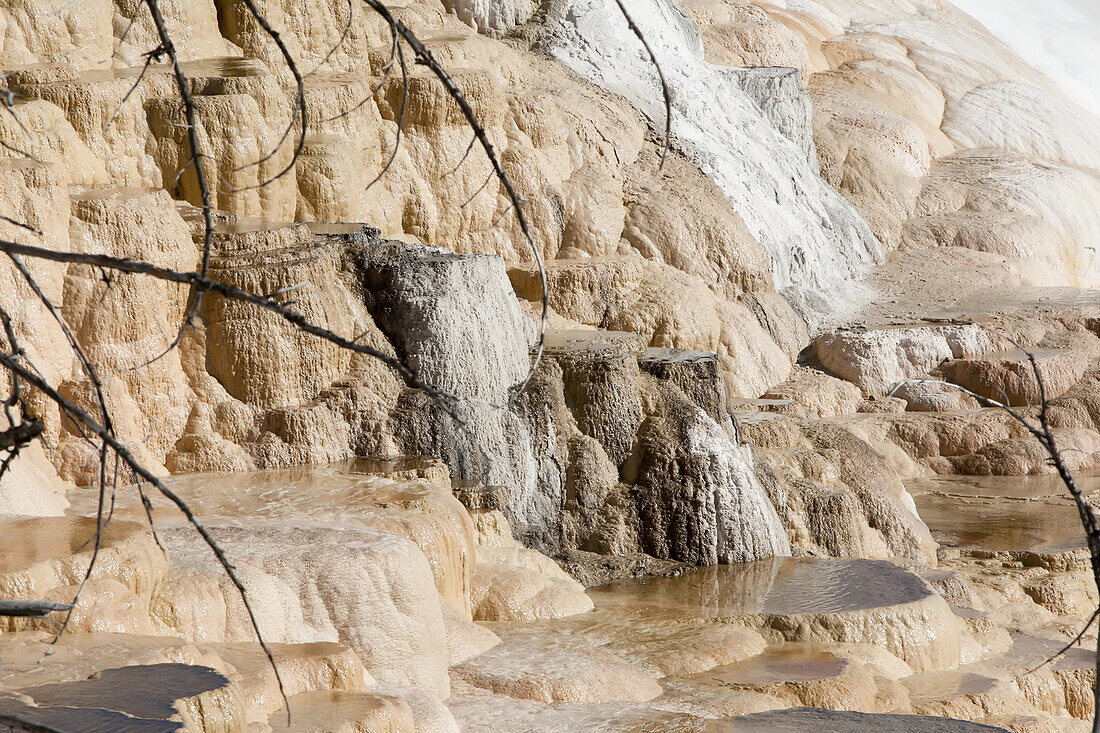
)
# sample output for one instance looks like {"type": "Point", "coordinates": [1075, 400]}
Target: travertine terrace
{"type": "Point", "coordinates": [735, 494]}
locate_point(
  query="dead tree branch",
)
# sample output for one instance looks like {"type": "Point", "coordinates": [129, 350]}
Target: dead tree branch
{"type": "Point", "coordinates": [183, 85]}
{"type": "Point", "coordinates": [1044, 434]}
{"type": "Point", "coordinates": [300, 110]}
{"type": "Point", "coordinates": [660, 75]}
{"type": "Point", "coordinates": [21, 434]}
{"type": "Point", "coordinates": [109, 441]}
{"type": "Point", "coordinates": [32, 609]}
{"type": "Point", "coordinates": [425, 58]}
{"type": "Point", "coordinates": [204, 284]}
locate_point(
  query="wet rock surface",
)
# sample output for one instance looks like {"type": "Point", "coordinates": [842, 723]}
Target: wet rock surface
{"type": "Point", "coordinates": [139, 691]}
{"type": "Point", "coordinates": [828, 720]}
{"type": "Point", "coordinates": [29, 717]}
{"type": "Point", "coordinates": [750, 354]}
{"type": "Point", "coordinates": [1000, 514]}
{"type": "Point", "coordinates": [780, 587]}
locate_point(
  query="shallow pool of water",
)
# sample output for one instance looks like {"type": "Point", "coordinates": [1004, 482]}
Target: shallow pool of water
{"type": "Point", "coordinates": [1031, 513]}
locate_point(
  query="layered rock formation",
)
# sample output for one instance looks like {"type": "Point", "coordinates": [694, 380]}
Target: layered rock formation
{"type": "Point", "coordinates": [752, 351]}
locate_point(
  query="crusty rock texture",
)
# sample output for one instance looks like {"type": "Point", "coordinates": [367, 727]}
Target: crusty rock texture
{"type": "Point", "coordinates": [765, 351]}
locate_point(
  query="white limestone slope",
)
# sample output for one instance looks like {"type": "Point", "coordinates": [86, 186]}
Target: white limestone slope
{"type": "Point", "coordinates": [747, 526]}
{"type": "Point", "coordinates": [1060, 38]}
{"type": "Point", "coordinates": [752, 145]}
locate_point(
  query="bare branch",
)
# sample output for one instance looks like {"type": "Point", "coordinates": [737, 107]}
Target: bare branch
{"type": "Point", "coordinates": [1073, 642]}
{"type": "Point", "coordinates": [21, 434]}
{"type": "Point", "coordinates": [400, 114]}
{"type": "Point", "coordinates": [184, 87]}
{"type": "Point", "coordinates": [202, 283]}
{"type": "Point", "coordinates": [150, 57]}
{"type": "Point", "coordinates": [12, 364]}
{"type": "Point", "coordinates": [343, 37]}
{"type": "Point", "coordinates": [425, 57]}
{"type": "Point", "coordinates": [299, 105]}
{"type": "Point", "coordinates": [374, 90]}
{"type": "Point", "coordinates": [34, 609]}
{"type": "Point", "coordinates": [660, 75]}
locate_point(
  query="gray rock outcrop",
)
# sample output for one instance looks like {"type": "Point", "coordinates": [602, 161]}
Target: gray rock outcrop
{"type": "Point", "coordinates": [598, 453]}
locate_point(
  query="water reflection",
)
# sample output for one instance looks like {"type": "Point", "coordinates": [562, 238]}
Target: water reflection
{"type": "Point", "coordinates": [28, 542]}
{"type": "Point", "coordinates": [781, 586]}
{"type": "Point", "coordinates": [143, 691]}
{"type": "Point", "coordinates": [799, 663]}
{"type": "Point", "coordinates": [328, 493]}
{"type": "Point", "coordinates": [134, 699]}
{"type": "Point", "coordinates": [1033, 513]}
{"type": "Point", "coordinates": [799, 720]}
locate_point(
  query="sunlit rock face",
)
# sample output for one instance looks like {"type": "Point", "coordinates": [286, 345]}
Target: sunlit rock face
{"type": "Point", "coordinates": [911, 95]}
{"type": "Point", "coordinates": [1010, 375]}
{"type": "Point", "coordinates": [924, 122]}
{"type": "Point", "coordinates": [429, 303]}
{"type": "Point", "coordinates": [585, 405]}
{"type": "Point", "coordinates": [837, 492]}
{"type": "Point", "coordinates": [676, 418]}
{"type": "Point", "coordinates": [701, 500]}
{"type": "Point", "coordinates": [627, 295]}
{"type": "Point", "coordinates": [815, 239]}
{"type": "Point", "coordinates": [122, 321]}
{"type": "Point", "coordinates": [427, 306]}
{"type": "Point", "coordinates": [513, 583]}
{"type": "Point", "coordinates": [297, 600]}
{"type": "Point", "coordinates": [878, 361]}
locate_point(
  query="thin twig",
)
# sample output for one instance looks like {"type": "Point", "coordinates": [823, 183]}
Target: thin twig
{"type": "Point", "coordinates": [203, 284]}
{"type": "Point", "coordinates": [660, 75]}
{"type": "Point", "coordinates": [13, 365]}
{"type": "Point", "coordinates": [479, 190]}
{"type": "Point", "coordinates": [1073, 642]}
{"type": "Point", "coordinates": [465, 155]}
{"type": "Point", "coordinates": [400, 114]}
{"type": "Point", "coordinates": [129, 27]}
{"type": "Point", "coordinates": [343, 37]}
{"type": "Point", "coordinates": [374, 90]}
{"type": "Point", "coordinates": [183, 85]}
{"type": "Point", "coordinates": [299, 105]}
{"type": "Point", "coordinates": [425, 57]}
{"type": "Point", "coordinates": [150, 56]}
{"type": "Point", "coordinates": [21, 225]}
